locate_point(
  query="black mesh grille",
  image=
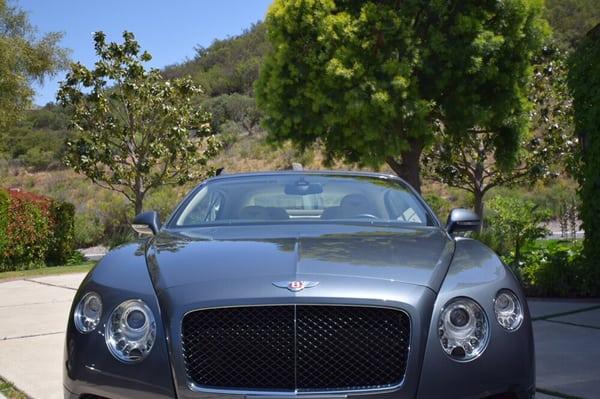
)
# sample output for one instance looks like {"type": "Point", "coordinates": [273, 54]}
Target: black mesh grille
{"type": "Point", "coordinates": [304, 347]}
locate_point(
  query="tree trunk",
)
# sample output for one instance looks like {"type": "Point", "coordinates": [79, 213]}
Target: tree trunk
{"type": "Point", "coordinates": [409, 166]}
{"type": "Point", "coordinates": [517, 257]}
{"type": "Point", "coordinates": [139, 203]}
{"type": "Point", "coordinates": [138, 190]}
{"type": "Point", "coordinates": [478, 204]}
{"type": "Point", "coordinates": [479, 188]}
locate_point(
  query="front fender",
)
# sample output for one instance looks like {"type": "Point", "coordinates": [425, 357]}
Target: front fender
{"type": "Point", "coordinates": [89, 367]}
{"type": "Point", "coordinates": [507, 365]}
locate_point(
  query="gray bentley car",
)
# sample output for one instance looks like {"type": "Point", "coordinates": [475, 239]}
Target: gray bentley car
{"type": "Point", "coordinates": [300, 285]}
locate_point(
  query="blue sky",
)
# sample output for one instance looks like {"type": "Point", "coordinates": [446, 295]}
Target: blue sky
{"type": "Point", "coordinates": [169, 30]}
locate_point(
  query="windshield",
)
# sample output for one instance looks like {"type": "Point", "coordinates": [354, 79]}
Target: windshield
{"type": "Point", "coordinates": [289, 198]}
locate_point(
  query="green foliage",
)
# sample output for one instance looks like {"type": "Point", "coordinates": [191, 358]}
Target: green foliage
{"type": "Point", "coordinates": [28, 232]}
{"type": "Point", "coordinates": [89, 229]}
{"type": "Point", "coordinates": [467, 162]}
{"type": "Point", "coordinates": [555, 268]}
{"type": "Point", "coordinates": [76, 258]}
{"type": "Point", "coordinates": [227, 66]}
{"type": "Point", "coordinates": [374, 80]}
{"type": "Point", "coordinates": [584, 81]}
{"type": "Point", "coordinates": [236, 108]}
{"type": "Point", "coordinates": [136, 131]}
{"type": "Point", "coordinates": [572, 19]}
{"type": "Point", "coordinates": [163, 201]}
{"type": "Point", "coordinates": [62, 243]}
{"type": "Point", "coordinates": [440, 206]}
{"type": "Point", "coordinates": [38, 141]}
{"type": "Point", "coordinates": [4, 208]}
{"type": "Point", "coordinates": [513, 225]}
{"type": "Point", "coordinates": [34, 230]}
{"type": "Point", "coordinates": [23, 59]}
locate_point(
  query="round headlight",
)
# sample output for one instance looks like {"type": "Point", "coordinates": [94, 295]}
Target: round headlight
{"type": "Point", "coordinates": [88, 312]}
{"type": "Point", "coordinates": [463, 329]}
{"type": "Point", "coordinates": [131, 331]}
{"type": "Point", "coordinates": [508, 309]}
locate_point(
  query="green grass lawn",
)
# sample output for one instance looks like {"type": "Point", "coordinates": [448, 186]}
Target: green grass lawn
{"type": "Point", "coordinates": [9, 390]}
{"type": "Point", "coordinates": [46, 271]}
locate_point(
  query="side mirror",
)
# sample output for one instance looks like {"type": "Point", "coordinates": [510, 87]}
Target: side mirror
{"type": "Point", "coordinates": [462, 220]}
{"type": "Point", "coordinates": [146, 223]}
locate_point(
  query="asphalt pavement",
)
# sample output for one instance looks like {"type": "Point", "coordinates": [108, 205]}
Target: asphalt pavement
{"type": "Point", "coordinates": [34, 312]}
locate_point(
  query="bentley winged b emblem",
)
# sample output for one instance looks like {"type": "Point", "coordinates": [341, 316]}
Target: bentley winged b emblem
{"type": "Point", "coordinates": [295, 286]}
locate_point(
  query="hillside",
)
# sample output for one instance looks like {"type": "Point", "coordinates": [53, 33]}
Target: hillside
{"type": "Point", "coordinates": [227, 66]}
{"type": "Point", "coordinates": [571, 19]}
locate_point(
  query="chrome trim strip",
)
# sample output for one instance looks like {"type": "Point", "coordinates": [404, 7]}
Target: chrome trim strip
{"type": "Point", "coordinates": [297, 394]}
{"type": "Point", "coordinates": [297, 397]}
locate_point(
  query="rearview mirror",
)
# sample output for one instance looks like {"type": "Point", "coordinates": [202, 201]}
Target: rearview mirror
{"type": "Point", "coordinates": [462, 220]}
{"type": "Point", "coordinates": [302, 187]}
{"type": "Point", "coordinates": [146, 223]}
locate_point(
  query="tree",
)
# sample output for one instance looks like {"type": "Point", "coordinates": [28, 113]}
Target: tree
{"type": "Point", "coordinates": [372, 79]}
{"type": "Point", "coordinates": [518, 224]}
{"type": "Point", "coordinates": [136, 131]}
{"type": "Point", "coordinates": [238, 108]}
{"type": "Point", "coordinates": [467, 162]}
{"type": "Point", "coordinates": [572, 19]}
{"type": "Point", "coordinates": [23, 60]}
{"type": "Point", "coordinates": [584, 82]}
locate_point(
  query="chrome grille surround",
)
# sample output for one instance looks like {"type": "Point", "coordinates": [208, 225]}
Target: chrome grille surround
{"type": "Point", "coordinates": [295, 348]}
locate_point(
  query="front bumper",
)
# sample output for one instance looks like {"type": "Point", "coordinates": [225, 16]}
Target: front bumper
{"type": "Point", "coordinates": [115, 393]}
{"type": "Point", "coordinates": [504, 371]}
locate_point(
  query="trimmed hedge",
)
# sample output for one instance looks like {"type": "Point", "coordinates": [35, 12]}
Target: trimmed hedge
{"type": "Point", "coordinates": [4, 205]}
{"type": "Point", "coordinates": [34, 230]}
{"type": "Point", "coordinates": [62, 215]}
{"type": "Point", "coordinates": [584, 81]}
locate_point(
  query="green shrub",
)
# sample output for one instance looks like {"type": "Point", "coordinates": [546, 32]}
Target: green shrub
{"type": "Point", "coordinates": [440, 206]}
{"type": "Point", "coordinates": [62, 215]}
{"type": "Point", "coordinates": [513, 225]}
{"type": "Point", "coordinates": [28, 232]}
{"type": "Point", "coordinates": [89, 229]}
{"type": "Point", "coordinates": [584, 82]}
{"type": "Point", "coordinates": [76, 258]}
{"type": "Point", "coordinates": [555, 268]}
{"type": "Point", "coordinates": [34, 230]}
{"type": "Point", "coordinates": [4, 206]}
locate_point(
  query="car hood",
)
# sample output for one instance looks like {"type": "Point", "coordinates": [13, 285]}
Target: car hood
{"type": "Point", "coordinates": [234, 255]}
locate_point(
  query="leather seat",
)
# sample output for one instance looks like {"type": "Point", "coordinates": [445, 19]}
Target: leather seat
{"type": "Point", "coordinates": [255, 212]}
{"type": "Point", "coordinates": [350, 206]}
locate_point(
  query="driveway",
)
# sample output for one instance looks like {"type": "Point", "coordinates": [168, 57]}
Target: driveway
{"type": "Point", "coordinates": [33, 316]}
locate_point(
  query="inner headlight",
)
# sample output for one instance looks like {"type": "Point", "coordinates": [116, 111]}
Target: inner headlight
{"type": "Point", "coordinates": [131, 331]}
{"type": "Point", "coordinates": [88, 312]}
{"type": "Point", "coordinates": [463, 329]}
{"type": "Point", "coordinates": [508, 309]}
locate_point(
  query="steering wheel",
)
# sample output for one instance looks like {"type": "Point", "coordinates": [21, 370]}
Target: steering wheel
{"type": "Point", "coordinates": [365, 215]}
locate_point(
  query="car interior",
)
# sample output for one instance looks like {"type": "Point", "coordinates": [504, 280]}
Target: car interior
{"type": "Point", "coordinates": [322, 199]}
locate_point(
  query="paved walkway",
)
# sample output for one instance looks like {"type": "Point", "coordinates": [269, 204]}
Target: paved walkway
{"type": "Point", "coordinates": [34, 313]}
{"type": "Point", "coordinates": [567, 347]}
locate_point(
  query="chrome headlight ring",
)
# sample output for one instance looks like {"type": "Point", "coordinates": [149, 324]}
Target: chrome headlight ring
{"type": "Point", "coordinates": [88, 312]}
{"type": "Point", "coordinates": [131, 331]}
{"type": "Point", "coordinates": [463, 329]}
{"type": "Point", "coordinates": [509, 310]}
